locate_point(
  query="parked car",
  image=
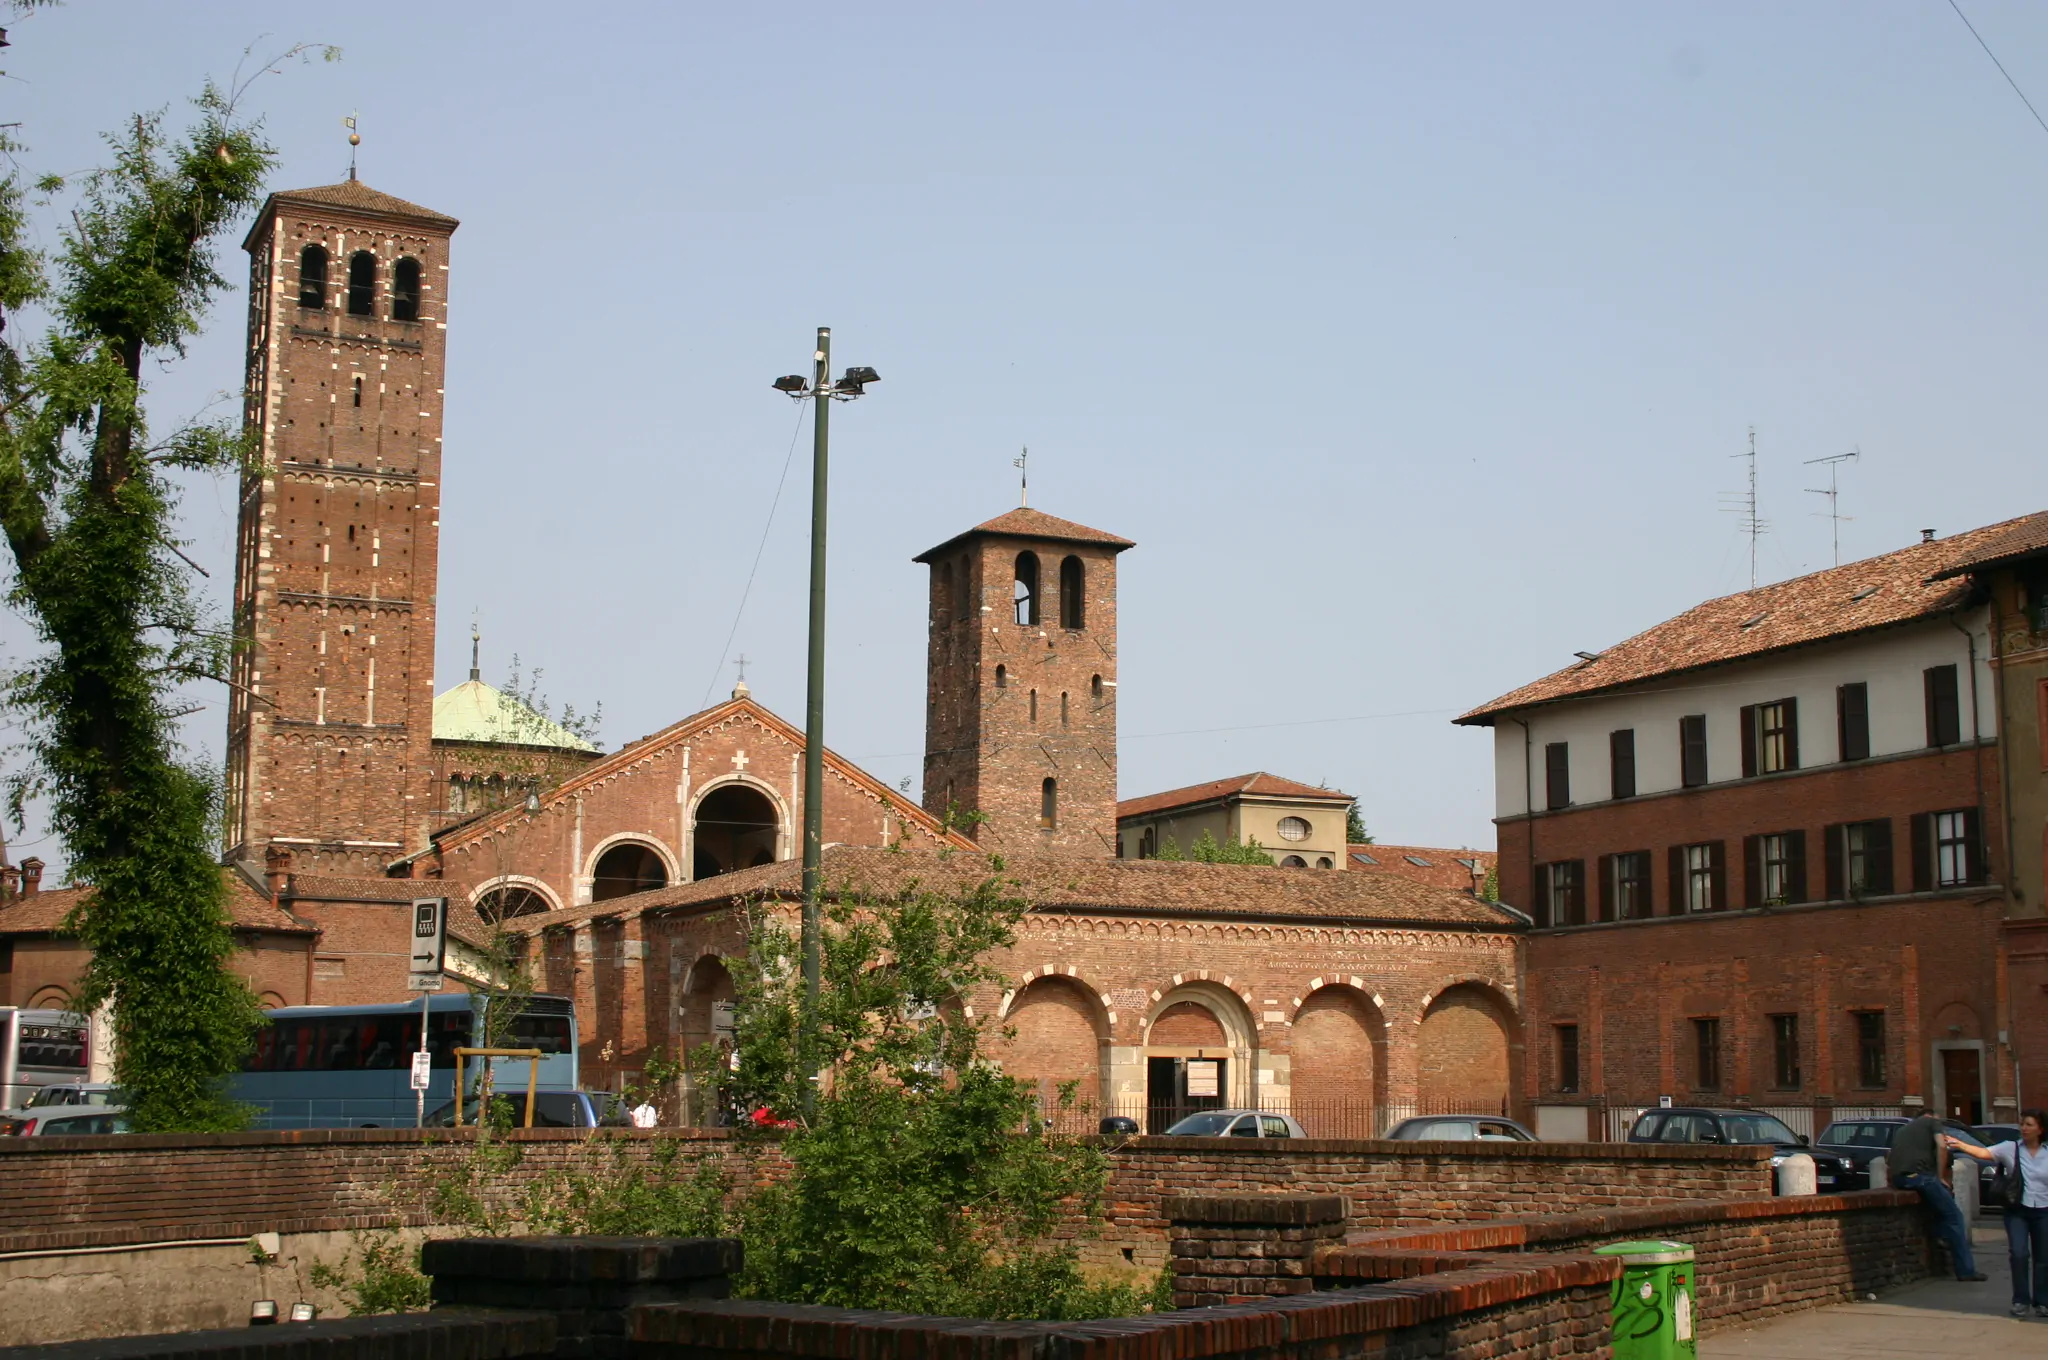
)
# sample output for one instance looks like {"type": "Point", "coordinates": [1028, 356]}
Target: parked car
{"type": "Point", "coordinates": [76, 1093]}
{"type": "Point", "coordinates": [1998, 1133]}
{"type": "Point", "coordinates": [556, 1109]}
{"type": "Point", "coordinates": [1236, 1124]}
{"type": "Point", "coordinates": [62, 1121]}
{"type": "Point", "coordinates": [1461, 1128]}
{"type": "Point", "coordinates": [1704, 1124]}
{"type": "Point", "coordinates": [1862, 1141]}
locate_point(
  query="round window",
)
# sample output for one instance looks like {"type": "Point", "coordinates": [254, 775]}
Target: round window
{"type": "Point", "coordinates": [1293, 829]}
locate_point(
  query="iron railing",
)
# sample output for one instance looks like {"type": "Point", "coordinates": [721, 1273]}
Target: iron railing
{"type": "Point", "coordinates": [1318, 1118]}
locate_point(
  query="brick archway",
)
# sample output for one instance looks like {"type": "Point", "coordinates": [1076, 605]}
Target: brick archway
{"type": "Point", "coordinates": [1060, 1030]}
{"type": "Point", "coordinates": [1337, 1074]}
{"type": "Point", "coordinates": [1463, 1049]}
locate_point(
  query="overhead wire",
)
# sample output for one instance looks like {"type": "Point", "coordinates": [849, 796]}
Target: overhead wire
{"type": "Point", "coordinates": [1999, 64]}
{"type": "Point", "coordinates": [759, 550]}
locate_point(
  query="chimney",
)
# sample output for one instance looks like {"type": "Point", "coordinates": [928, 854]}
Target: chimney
{"type": "Point", "coordinates": [31, 876]}
{"type": "Point", "coordinates": [1927, 535]}
{"type": "Point", "coordinates": [277, 870]}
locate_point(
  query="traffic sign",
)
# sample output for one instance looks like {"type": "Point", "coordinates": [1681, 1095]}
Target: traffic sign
{"type": "Point", "coordinates": [429, 942]}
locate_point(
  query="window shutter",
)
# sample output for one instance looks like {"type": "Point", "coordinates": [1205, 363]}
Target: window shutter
{"type": "Point", "coordinates": [1676, 906]}
{"type": "Point", "coordinates": [1575, 905]}
{"type": "Point", "coordinates": [1923, 852]}
{"type": "Point", "coordinates": [1621, 752]}
{"type": "Point", "coordinates": [1540, 908]}
{"type": "Point", "coordinates": [1791, 733]}
{"type": "Point", "coordinates": [1606, 871]}
{"type": "Point", "coordinates": [1944, 719]}
{"type": "Point", "coordinates": [1852, 712]}
{"type": "Point", "coordinates": [1748, 721]}
{"type": "Point", "coordinates": [1881, 850]}
{"type": "Point", "coordinates": [1837, 878]}
{"type": "Point", "coordinates": [1795, 851]}
{"type": "Point", "coordinates": [1973, 847]}
{"type": "Point", "coordinates": [1718, 857]}
{"type": "Point", "coordinates": [1752, 871]}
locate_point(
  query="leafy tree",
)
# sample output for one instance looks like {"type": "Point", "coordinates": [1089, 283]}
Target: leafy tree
{"type": "Point", "coordinates": [1208, 850]}
{"type": "Point", "coordinates": [88, 507]}
{"type": "Point", "coordinates": [1354, 826]}
{"type": "Point", "coordinates": [1491, 890]}
{"type": "Point", "coordinates": [923, 1179]}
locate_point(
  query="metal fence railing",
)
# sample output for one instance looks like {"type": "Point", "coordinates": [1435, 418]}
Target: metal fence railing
{"type": "Point", "coordinates": [1317, 1118]}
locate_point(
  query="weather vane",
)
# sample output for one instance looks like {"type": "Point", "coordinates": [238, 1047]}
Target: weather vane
{"type": "Point", "coordinates": [1022, 463]}
{"type": "Point", "coordinates": [354, 140]}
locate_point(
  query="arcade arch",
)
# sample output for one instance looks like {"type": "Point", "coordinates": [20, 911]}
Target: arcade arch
{"type": "Point", "coordinates": [1337, 1074]}
{"type": "Point", "coordinates": [512, 895]}
{"type": "Point", "coordinates": [1462, 1047]}
{"type": "Point", "coordinates": [1061, 1030]}
{"type": "Point", "coordinates": [1200, 1047]}
{"type": "Point", "coordinates": [737, 825]}
{"type": "Point", "coordinates": [622, 865]}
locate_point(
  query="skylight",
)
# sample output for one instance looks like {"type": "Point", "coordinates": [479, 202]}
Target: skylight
{"type": "Point", "coordinates": [1363, 859]}
{"type": "Point", "coordinates": [1864, 593]}
{"type": "Point", "coordinates": [1754, 619]}
{"type": "Point", "coordinates": [1418, 861]}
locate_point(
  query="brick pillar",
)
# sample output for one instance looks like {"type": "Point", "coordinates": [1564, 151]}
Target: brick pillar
{"type": "Point", "coordinates": [589, 1284]}
{"type": "Point", "coordinates": [1227, 1248]}
{"type": "Point", "coordinates": [1402, 1081]}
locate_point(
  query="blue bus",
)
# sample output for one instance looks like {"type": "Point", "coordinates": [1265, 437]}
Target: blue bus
{"type": "Point", "coordinates": [348, 1067]}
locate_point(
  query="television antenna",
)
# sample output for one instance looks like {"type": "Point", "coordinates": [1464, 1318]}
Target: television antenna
{"type": "Point", "coordinates": [1743, 503]}
{"type": "Point", "coordinates": [1833, 493]}
{"type": "Point", "coordinates": [1022, 462]}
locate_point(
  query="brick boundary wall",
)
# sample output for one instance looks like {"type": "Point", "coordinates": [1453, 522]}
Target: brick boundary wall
{"type": "Point", "coordinates": [468, 1334]}
{"type": "Point", "coordinates": [1226, 1247]}
{"type": "Point", "coordinates": [67, 1193]}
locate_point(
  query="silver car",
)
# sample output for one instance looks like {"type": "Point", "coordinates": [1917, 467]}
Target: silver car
{"type": "Point", "coordinates": [63, 1121]}
{"type": "Point", "coordinates": [1460, 1128]}
{"type": "Point", "coordinates": [1236, 1124]}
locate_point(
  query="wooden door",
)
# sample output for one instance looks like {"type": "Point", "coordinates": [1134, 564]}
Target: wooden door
{"type": "Point", "coordinates": [1963, 1085]}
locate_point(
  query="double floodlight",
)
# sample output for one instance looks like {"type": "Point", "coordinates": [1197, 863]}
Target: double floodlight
{"type": "Point", "coordinates": [853, 383]}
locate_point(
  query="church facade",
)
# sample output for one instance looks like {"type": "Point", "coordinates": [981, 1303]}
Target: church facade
{"type": "Point", "coordinates": [352, 788]}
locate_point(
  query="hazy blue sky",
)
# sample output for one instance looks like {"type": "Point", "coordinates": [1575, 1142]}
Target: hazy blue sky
{"type": "Point", "coordinates": [1412, 344]}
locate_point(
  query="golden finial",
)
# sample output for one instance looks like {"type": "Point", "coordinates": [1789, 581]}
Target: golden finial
{"type": "Point", "coordinates": [354, 140]}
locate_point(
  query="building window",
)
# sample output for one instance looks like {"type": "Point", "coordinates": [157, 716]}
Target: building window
{"type": "Point", "coordinates": [362, 283]}
{"type": "Point", "coordinates": [1049, 805]}
{"type": "Point", "coordinates": [1706, 1043]}
{"type": "Point", "coordinates": [1621, 763]}
{"type": "Point", "coordinates": [313, 277]}
{"type": "Point", "coordinates": [1025, 591]}
{"type": "Point", "coordinates": [1073, 594]}
{"type": "Point", "coordinates": [1095, 688]}
{"type": "Point", "coordinates": [1698, 882]}
{"type": "Point", "coordinates": [1945, 850]}
{"type": "Point", "coordinates": [1859, 859]}
{"type": "Point", "coordinates": [1557, 775]}
{"type": "Point", "coordinates": [1852, 720]}
{"type": "Point", "coordinates": [1562, 887]}
{"type": "Point", "coordinates": [1325, 862]}
{"type": "Point", "coordinates": [359, 390]}
{"type": "Point", "coordinates": [1770, 737]}
{"type": "Point", "coordinates": [1034, 706]}
{"type": "Point", "coordinates": [1148, 843]}
{"type": "Point", "coordinates": [1627, 887]}
{"type": "Point", "coordinates": [1002, 676]}
{"type": "Point", "coordinates": [1944, 715]}
{"type": "Point", "coordinates": [1063, 708]}
{"type": "Point", "coordinates": [1568, 1058]}
{"type": "Point", "coordinates": [1775, 869]}
{"type": "Point", "coordinates": [1692, 750]}
{"type": "Point", "coordinates": [1294, 862]}
{"type": "Point", "coordinates": [1870, 1072]}
{"type": "Point", "coordinates": [405, 290]}
{"type": "Point", "coordinates": [1785, 1052]}
{"type": "Point", "coordinates": [1294, 829]}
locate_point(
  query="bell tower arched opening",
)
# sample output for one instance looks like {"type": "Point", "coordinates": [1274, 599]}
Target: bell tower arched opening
{"type": "Point", "coordinates": [737, 827]}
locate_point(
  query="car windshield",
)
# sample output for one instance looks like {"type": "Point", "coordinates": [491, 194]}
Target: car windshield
{"type": "Point", "coordinates": [1755, 1128]}
{"type": "Point", "coordinates": [1963, 1136]}
{"type": "Point", "coordinates": [1205, 1125]}
{"type": "Point", "coordinates": [72, 1095]}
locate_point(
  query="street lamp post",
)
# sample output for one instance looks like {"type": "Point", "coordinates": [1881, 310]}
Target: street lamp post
{"type": "Point", "coordinates": [821, 391]}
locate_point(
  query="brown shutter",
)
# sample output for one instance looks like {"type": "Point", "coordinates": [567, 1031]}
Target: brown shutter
{"type": "Point", "coordinates": [1791, 733]}
{"type": "Point", "coordinates": [1540, 908]}
{"type": "Point", "coordinates": [1881, 850]}
{"type": "Point", "coordinates": [1718, 857]}
{"type": "Point", "coordinates": [1577, 904]}
{"type": "Point", "coordinates": [1837, 877]}
{"type": "Point", "coordinates": [1923, 852]}
{"type": "Point", "coordinates": [1748, 721]}
{"type": "Point", "coordinates": [1676, 906]}
{"type": "Point", "coordinates": [1752, 871]}
{"type": "Point", "coordinates": [1605, 868]}
{"type": "Point", "coordinates": [1796, 852]}
{"type": "Point", "coordinates": [1973, 844]}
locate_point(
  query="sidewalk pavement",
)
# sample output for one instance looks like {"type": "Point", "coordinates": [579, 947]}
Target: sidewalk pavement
{"type": "Point", "coordinates": [1937, 1317]}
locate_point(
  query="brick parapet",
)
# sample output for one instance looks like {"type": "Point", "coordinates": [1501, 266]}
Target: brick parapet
{"type": "Point", "coordinates": [1226, 1247]}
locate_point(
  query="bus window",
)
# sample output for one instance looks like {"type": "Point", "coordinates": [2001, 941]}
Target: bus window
{"type": "Point", "coordinates": [548, 1033]}
{"type": "Point", "coordinates": [388, 1042]}
{"type": "Point", "coordinates": [339, 1040]}
{"type": "Point", "coordinates": [447, 1031]}
{"type": "Point", "coordinates": [60, 1046]}
{"type": "Point", "coordinates": [297, 1046]}
{"type": "Point", "coordinates": [265, 1054]}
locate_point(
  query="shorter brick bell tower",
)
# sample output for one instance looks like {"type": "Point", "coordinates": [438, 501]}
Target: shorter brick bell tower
{"type": "Point", "coordinates": [1020, 723]}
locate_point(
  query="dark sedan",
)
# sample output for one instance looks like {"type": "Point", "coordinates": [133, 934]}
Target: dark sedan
{"type": "Point", "coordinates": [1701, 1124]}
{"type": "Point", "coordinates": [1862, 1141]}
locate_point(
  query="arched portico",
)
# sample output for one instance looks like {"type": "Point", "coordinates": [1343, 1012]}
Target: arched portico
{"type": "Point", "coordinates": [510, 895]}
{"type": "Point", "coordinates": [1338, 1061]}
{"type": "Point", "coordinates": [627, 863]}
{"type": "Point", "coordinates": [737, 822]}
{"type": "Point", "coordinates": [1466, 1042]}
{"type": "Point", "coordinates": [1201, 1048]}
{"type": "Point", "coordinates": [1061, 1033]}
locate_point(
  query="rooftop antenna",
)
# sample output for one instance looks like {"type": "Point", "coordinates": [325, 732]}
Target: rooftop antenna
{"type": "Point", "coordinates": [354, 140]}
{"type": "Point", "coordinates": [1022, 462]}
{"type": "Point", "coordinates": [476, 638]}
{"type": "Point", "coordinates": [1833, 493]}
{"type": "Point", "coordinates": [1743, 503]}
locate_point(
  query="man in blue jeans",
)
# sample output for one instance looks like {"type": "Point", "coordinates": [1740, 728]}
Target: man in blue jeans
{"type": "Point", "coordinates": [1918, 1151]}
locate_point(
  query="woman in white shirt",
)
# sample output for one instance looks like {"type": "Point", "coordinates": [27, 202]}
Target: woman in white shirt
{"type": "Point", "coordinates": [2026, 1222]}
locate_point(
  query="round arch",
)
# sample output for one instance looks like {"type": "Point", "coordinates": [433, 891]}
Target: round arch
{"type": "Point", "coordinates": [625, 875]}
{"type": "Point", "coordinates": [514, 883]}
{"type": "Point", "coordinates": [1193, 1025]}
{"type": "Point", "coordinates": [1468, 1035]}
{"type": "Point", "coordinates": [1338, 1059]}
{"type": "Point", "coordinates": [1059, 1033]}
{"type": "Point", "coordinates": [747, 820]}
{"type": "Point", "coordinates": [51, 997]}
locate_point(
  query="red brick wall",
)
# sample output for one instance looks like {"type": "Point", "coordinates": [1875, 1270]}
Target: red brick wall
{"type": "Point", "coordinates": [1335, 1038]}
{"type": "Point", "coordinates": [1056, 1039]}
{"type": "Point", "coordinates": [1187, 1025]}
{"type": "Point", "coordinates": [1464, 1052]}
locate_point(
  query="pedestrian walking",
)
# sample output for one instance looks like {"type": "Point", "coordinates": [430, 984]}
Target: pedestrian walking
{"type": "Point", "coordinates": [2026, 1210]}
{"type": "Point", "coordinates": [1919, 1152]}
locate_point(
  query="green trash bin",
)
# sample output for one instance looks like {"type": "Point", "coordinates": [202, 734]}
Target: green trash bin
{"type": "Point", "coordinates": [1653, 1301]}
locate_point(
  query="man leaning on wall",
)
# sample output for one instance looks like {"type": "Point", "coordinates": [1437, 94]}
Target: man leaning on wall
{"type": "Point", "coordinates": [1918, 1153]}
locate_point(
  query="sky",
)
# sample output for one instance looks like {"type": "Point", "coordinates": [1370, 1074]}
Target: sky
{"type": "Point", "coordinates": [1417, 347]}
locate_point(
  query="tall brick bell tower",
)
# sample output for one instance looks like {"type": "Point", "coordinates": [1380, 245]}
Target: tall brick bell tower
{"type": "Point", "coordinates": [1021, 683]}
{"type": "Point", "coordinates": [330, 716]}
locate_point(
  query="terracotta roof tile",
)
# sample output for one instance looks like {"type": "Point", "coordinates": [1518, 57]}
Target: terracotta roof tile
{"type": "Point", "coordinates": [248, 909]}
{"type": "Point", "coordinates": [2020, 538]}
{"type": "Point", "coordinates": [1093, 885]}
{"type": "Point", "coordinates": [1024, 522]}
{"type": "Point", "coordinates": [1878, 592]}
{"type": "Point", "coordinates": [1445, 868]}
{"type": "Point", "coordinates": [1261, 783]}
{"type": "Point", "coordinates": [361, 197]}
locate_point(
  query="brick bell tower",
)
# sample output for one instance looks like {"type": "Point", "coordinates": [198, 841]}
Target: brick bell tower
{"type": "Point", "coordinates": [331, 714]}
{"type": "Point", "coordinates": [1021, 683]}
